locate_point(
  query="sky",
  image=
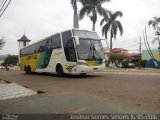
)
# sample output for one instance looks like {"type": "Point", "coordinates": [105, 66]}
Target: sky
{"type": "Point", "coordinates": [41, 18]}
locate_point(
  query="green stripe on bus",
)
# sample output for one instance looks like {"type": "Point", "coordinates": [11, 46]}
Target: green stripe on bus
{"type": "Point", "coordinates": [44, 59]}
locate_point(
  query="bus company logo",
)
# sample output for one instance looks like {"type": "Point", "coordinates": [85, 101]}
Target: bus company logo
{"type": "Point", "coordinates": [57, 54]}
{"type": "Point", "coordinates": [69, 68]}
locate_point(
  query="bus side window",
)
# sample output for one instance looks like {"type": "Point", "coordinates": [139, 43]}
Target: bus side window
{"type": "Point", "coordinates": [52, 43]}
{"type": "Point", "coordinates": [35, 48]}
{"type": "Point", "coordinates": [47, 44]}
{"type": "Point", "coordinates": [31, 50]}
{"type": "Point", "coordinates": [21, 53]}
{"type": "Point", "coordinates": [69, 46]}
{"type": "Point", "coordinates": [38, 47]}
{"type": "Point", "coordinates": [56, 42]}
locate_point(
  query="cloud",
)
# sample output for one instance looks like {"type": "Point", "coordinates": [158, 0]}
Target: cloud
{"type": "Point", "coordinates": [39, 18]}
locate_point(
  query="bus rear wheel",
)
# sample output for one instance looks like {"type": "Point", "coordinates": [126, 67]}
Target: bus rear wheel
{"type": "Point", "coordinates": [28, 70]}
{"type": "Point", "coordinates": [59, 70]}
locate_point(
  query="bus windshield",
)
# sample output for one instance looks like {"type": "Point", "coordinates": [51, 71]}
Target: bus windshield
{"type": "Point", "coordinates": [90, 49]}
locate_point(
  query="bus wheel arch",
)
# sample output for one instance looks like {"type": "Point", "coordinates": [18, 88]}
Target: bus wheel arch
{"type": "Point", "coordinates": [59, 69]}
{"type": "Point", "coordinates": [25, 69]}
{"type": "Point", "coordinates": [83, 74]}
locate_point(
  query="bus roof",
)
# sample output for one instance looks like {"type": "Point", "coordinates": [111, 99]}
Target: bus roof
{"type": "Point", "coordinates": [53, 35]}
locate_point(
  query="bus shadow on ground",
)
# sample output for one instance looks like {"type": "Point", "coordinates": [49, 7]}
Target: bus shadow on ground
{"type": "Point", "coordinates": [67, 75]}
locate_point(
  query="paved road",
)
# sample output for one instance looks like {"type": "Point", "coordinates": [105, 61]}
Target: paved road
{"type": "Point", "coordinates": [104, 92]}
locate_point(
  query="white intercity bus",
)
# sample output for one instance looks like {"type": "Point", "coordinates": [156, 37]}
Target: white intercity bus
{"type": "Point", "coordinates": [72, 52]}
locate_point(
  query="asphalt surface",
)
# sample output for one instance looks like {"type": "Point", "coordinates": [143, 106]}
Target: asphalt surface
{"type": "Point", "coordinates": [112, 91]}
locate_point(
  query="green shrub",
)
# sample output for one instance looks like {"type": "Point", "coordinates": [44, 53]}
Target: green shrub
{"type": "Point", "coordinates": [113, 57]}
{"type": "Point", "coordinates": [125, 64]}
{"type": "Point", "coordinates": [10, 60]}
{"type": "Point", "coordinates": [143, 63]}
{"type": "Point", "coordinates": [137, 64]}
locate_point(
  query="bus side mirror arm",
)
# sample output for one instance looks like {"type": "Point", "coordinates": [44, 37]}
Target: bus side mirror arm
{"type": "Point", "coordinates": [76, 38]}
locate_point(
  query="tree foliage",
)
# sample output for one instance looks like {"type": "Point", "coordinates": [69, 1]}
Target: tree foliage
{"type": "Point", "coordinates": [75, 16]}
{"type": "Point", "coordinates": [2, 43]}
{"type": "Point", "coordinates": [117, 57]}
{"type": "Point", "coordinates": [155, 24]}
{"type": "Point", "coordinates": [143, 63]}
{"type": "Point", "coordinates": [91, 8]}
{"type": "Point", "coordinates": [10, 60]}
{"type": "Point", "coordinates": [111, 25]}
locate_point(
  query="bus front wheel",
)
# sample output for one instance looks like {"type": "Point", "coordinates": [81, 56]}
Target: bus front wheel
{"type": "Point", "coordinates": [59, 69]}
{"type": "Point", "coordinates": [83, 74]}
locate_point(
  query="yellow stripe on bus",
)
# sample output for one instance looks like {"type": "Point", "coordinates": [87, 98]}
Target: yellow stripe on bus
{"type": "Point", "coordinates": [30, 60]}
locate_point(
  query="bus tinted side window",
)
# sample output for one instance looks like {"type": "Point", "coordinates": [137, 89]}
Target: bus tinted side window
{"type": "Point", "coordinates": [21, 53]}
{"type": "Point", "coordinates": [53, 42]}
{"type": "Point", "coordinates": [48, 44]}
{"type": "Point", "coordinates": [41, 46]}
{"type": "Point", "coordinates": [56, 42]}
{"type": "Point", "coordinates": [69, 46]}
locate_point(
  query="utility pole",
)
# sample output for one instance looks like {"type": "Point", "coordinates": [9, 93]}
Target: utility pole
{"type": "Point", "coordinates": [158, 33]}
{"type": "Point", "coordinates": [140, 47]}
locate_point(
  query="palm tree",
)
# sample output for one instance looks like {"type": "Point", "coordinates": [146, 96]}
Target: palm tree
{"type": "Point", "coordinates": [112, 25]}
{"type": "Point", "coordinates": [75, 17]}
{"type": "Point", "coordinates": [91, 8]}
{"type": "Point", "coordinates": [155, 24]}
{"type": "Point", "coordinates": [2, 42]}
{"type": "Point", "coordinates": [93, 18]}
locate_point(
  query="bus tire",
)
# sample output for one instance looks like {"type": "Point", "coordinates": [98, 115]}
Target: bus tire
{"type": "Point", "coordinates": [83, 74]}
{"type": "Point", "coordinates": [59, 69]}
{"type": "Point", "coordinates": [28, 70]}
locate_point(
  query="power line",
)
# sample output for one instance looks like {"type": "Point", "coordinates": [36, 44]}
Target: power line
{"type": "Point", "coordinates": [148, 44]}
{"type": "Point", "coordinates": [5, 8]}
{"type": "Point", "coordinates": [3, 5]}
{"type": "Point", "coordinates": [140, 46]}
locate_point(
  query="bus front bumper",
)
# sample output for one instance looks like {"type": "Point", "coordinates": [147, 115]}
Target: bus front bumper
{"type": "Point", "coordinates": [87, 69]}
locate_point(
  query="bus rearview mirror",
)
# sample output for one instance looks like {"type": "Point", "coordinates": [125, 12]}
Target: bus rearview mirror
{"type": "Point", "coordinates": [76, 40]}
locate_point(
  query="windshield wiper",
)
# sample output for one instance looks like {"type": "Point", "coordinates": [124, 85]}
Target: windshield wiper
{"type": "Point", "coordinates": [91, 53]}
{"type": "Point", "coordinates": [95, 51]}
